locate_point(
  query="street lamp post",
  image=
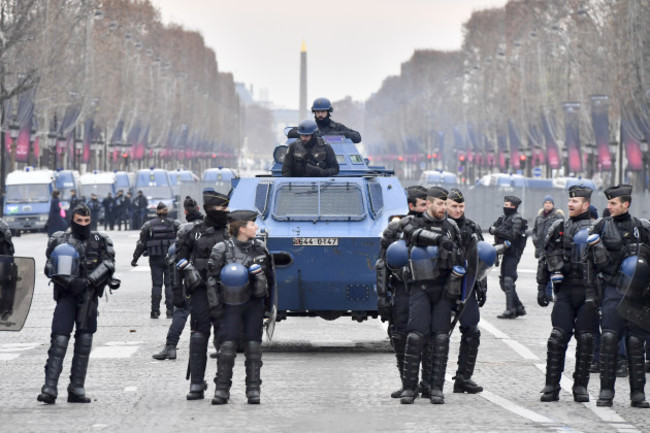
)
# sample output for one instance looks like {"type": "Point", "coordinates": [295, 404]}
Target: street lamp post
{"type": "Point", "coordinates": [51, 142]}
{"type": "Point", "coordinates": [14, 130]}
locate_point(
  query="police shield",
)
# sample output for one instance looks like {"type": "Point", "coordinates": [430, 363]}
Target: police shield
{"type": "Point", "coordinates": [17, 277]}
{"type": "Point", "coordinates": [634, 285]}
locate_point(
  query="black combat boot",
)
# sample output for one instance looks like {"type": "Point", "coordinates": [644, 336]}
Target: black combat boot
{"type": "Point", "coordinates": [425, 389]}
{"type": "Point", "coordinates": [634, 347]}
{"type": "Point", "coordinates": [584, 355]}
{"type": "Point", "coordinates": [83, 343]}
{"type": "Point", "coordinates": [399, 343]}
{"type": "Point", "coordinates": [440, 353]}
{"type": "Point", "coordinates": [608, 349]}
{"type": "Point", "coordinates": [169, 352]}
{"type": "Point", "coordinates": [53, 367]}
{"type": "Point", "coordinates": [155, 306]}
{"type": "Point", "coordinates": [411, 370]}
{"type": "Point", "coordinates": [198, 359]}
{"type": "Point", "coordinates": [469, 343]}
{"type": "Point", "coordinates": [253, 352]}
{"type": "Point", "coordinates": [223, 381]}
{"type": "Point", "coordinates": [509, 289]}
{"type": "Point", "coordinates": [556, 351]}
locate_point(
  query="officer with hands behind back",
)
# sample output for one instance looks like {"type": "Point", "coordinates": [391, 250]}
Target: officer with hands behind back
{"type": "Point", "coordinates": [241, 275]}
{"type": "Point", "coordinates": [80, 264]}
{"type": "Point", "coordinates": [156, 235]}
{"type": "Point", "coordinates": [575, 311]}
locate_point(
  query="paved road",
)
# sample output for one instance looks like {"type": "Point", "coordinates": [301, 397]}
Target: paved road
{"type": "Point", "coordinates": [318, 376]}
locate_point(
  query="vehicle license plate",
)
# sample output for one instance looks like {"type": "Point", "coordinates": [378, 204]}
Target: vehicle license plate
{"type": "Point", "coordinates": [315, 242]}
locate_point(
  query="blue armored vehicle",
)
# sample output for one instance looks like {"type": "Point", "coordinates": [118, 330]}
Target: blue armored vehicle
{"type": "Point", "coordinates": [324, 232]}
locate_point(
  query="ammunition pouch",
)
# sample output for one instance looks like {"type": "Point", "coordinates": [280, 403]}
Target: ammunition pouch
{"type": "Point", "coordinates": [600, 254]}
{"type": "Point", "coordinates": [425, 269]}
{"type": "Point", "coordinates": [555, 261]}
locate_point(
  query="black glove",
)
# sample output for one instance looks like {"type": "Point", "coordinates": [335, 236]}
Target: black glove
{"type": "Point", "coordinates": [384, 308]}
{"type": "Point", "coordinates": [134, 262]}
{"type": "Point", "coordinates": [178, 299]}
{"type": "Point", "coordinates": [314, 171]}
{"type": "Point", "coordinates": [77, 286]}
{"type": "Point", "coordinates": [481, 296]}
{"type": "Point", "coordinates": [542, 300]}
{"type": "Point", "coordinates": [445, 243]}
{"type": "Point", "coordinates": [216, 312]}
{"type": "Point", "coordinates": [492, 229]}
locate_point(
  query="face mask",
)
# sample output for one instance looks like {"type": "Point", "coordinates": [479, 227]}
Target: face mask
{"type": "Point", "coordinates": [79, 231]}
{"type": "Point", "coordinates": [509, 210]}
{"type": "Point", "coordinates": [218, 217]}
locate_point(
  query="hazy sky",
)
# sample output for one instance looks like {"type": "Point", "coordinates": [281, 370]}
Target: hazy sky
{"type": "Point", "coordinates": [352, 45]}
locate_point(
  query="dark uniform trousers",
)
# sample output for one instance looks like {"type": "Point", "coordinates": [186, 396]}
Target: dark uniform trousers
{"type": "Point", "coordinates": [244, 320]}
{"type": "Point", "coordinates": [65, 316]}
{"type": "Point", "coordinates": [160, 275]}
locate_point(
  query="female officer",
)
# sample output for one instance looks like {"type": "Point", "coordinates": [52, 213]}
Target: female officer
{"type": "Point", "coordinates": [241, 274]}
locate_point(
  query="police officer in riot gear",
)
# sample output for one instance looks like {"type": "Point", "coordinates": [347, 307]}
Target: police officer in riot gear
{"type": "Point", "coordinates": [470, 339]}
{"type": "Point", "coordinates": [510, 227]}
{"type": "Point", "coordinates": [613, 239]}
{"type": "Point", "coordinates": [156, 236]}
{"type": "Point", "coordinates": [192, 252]}
{"type": "Point", "coordinates": [322, 109]}
{"type": "Point", "coordinates": [434, 288]}
{"type": "Point", "coordinates": [6, 244]}
{"type": "Point", "coordinates": [310, 155]}
{"type": "Point", "coordinates": [241, 276]}
{"type": "Point", "coordinates": [79, 279]}
{"type": "Point", "coordinates": [393, 296]}
{"type": "Point", "coordinates": [575, 311]}
{"type": "Point", "coordinates": [179, 318]}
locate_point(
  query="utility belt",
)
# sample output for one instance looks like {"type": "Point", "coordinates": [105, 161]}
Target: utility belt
{"type": "Point", "coordinates": [158, 247]}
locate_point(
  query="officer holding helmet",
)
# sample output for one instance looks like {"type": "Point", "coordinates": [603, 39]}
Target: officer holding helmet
{"type": "Point", "coordinates": [435, 285]}
{"type": "Point", "coordinates": [393, 296]}
{"type": "Point", "coordinates": [193, 248]}
{"type": "Point", "coordinates": [241, 274]}
{"type": "Point", "coordinates": [156, 235]}
{"type": "Point", "coordinates": [322, 109]}
{"type": "Point", "coordinates": [310, 156]}
{"type": "Point", "coordinates": [575, 311]}
{"type": "Point", "coordinates": [80, 264]}
{"type": "Point", "coordinates": [470, 338]}
{"type": "Point", "coordinates": [614, 239]}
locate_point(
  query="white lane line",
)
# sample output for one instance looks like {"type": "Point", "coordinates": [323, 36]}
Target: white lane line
{"type": "Point", "coordinates": [521, 350]}
{"type": "Point", "coordinates": [116, 349]}
{"type": "Point", "coordinates": [140, 268]}
{"type": "Point", "coordinates": [8, 356]}
{"type": "Point", "coordinates": [11, 351]}
{"type": "Point", "coordinates": [606, 414]}
{"type": "Point", "coordinates": [131, 389]}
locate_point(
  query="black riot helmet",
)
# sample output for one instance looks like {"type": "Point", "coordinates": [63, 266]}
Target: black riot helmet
{"type": "Point", "coordinates": [322, 104]}
{"type": "Point", "coordinates": [307, 127]}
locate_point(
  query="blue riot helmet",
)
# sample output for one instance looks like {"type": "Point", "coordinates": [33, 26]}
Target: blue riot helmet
{"type": "Point", "coordinates": [580, 242]}
{"type": "Point", "coordinates": [170, 258]}
{"type": "Point", "coordinates": [65, 261]}
{"type": "Point", "coordinates": [397, 255]}
{"type": "Point", "coordinates": [487, 256]}
{"type": "Point", "coordinates": [321, 104]}
{"type": "Point", "coordinates": [424, 263]}
{"type": "Point", "coordinates": [628, 266]}
{"type": "Point", "coordinates": [307, 127]}
{"type": "Point", "coordinates": [234, 284]}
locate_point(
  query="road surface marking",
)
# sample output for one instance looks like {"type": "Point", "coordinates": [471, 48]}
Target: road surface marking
{"type": "Point", "coordinates": [116, 349]}
{"type": "Point", "coordinates": [521, 350]}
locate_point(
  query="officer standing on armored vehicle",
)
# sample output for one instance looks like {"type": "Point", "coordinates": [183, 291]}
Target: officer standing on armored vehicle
{"type": "Point", "coordinates": [470, 338]}
{"type": "Point", "coordinates": [434, 288]}
{"type": "Point", "coordinates": [6, 244]}
{"type": "Point", "coordinates": [309, 156]}
{"type": "Point", "coordinates": [80, 263]}
{"type": "Point", "coordinates": [192, 252]}
{"type": "Point", "coordinates": [322, 109]}
{"type": "Point", "coordinates": [156, 236]}
{"type": "Point", "coordinates": [510, 227]}
{"type": "Point", "coordinates": [575, 311]}
{"type": "Point", "coordinates": [179, 318]}
{"type": "Point", "coordinates": [393, 296]}
{"type": "Point", "coordinates": [241, 276]}
{"type": "Point", "coordinates": [614, 239]}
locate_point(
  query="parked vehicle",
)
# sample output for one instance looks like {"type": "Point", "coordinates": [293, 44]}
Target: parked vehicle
{"type": "Point", "coordinates": [219, 178]}
{"type": "Point", "coordinates": [156, 186]}
{"type": "Point", "coordinates": [27, 199]}
{"type": "Point", "coordinates": [67, 180]}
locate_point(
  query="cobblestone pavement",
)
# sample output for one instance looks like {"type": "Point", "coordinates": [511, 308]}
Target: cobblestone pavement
{"type": "Point", "coordinates": [318, 376]}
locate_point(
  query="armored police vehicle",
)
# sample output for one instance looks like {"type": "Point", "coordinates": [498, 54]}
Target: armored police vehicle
{"type": "Point", "coordinates": [220, 179]}
{"type": "Point", "coordinates": [27, 199]}
{"type": "Point", "coordinates": [324, 232]}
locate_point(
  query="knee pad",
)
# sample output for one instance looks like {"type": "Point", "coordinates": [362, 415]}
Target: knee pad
{"type": "Point", "coordinates": [558, 338]}
{"type": "Point", "coordinates": [228, 349]}
{"type": "Point", "coordinates": [609, 339]}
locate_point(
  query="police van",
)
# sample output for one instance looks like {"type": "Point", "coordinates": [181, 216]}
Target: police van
{"type": "Point", "coordinates": [220, 179]}
{"type": "Point", "coordinates": [324, 232]}
{"type": "Point", "coordinates": [27, 199]}
{"type": "Point", "coordinates": [98, 183]}
{"type": "Point", "coordinates": [156, 186]}
{"type": "Point", "coordinates": [67, 180]}
{"type": "Point", "coordinates": [180, 178]}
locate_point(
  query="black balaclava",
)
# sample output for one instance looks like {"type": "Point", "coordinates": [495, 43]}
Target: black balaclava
{"type": "Point", "coordinates": [79, 231]}
{"type": "Point", "coordinates": [216, 218]}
